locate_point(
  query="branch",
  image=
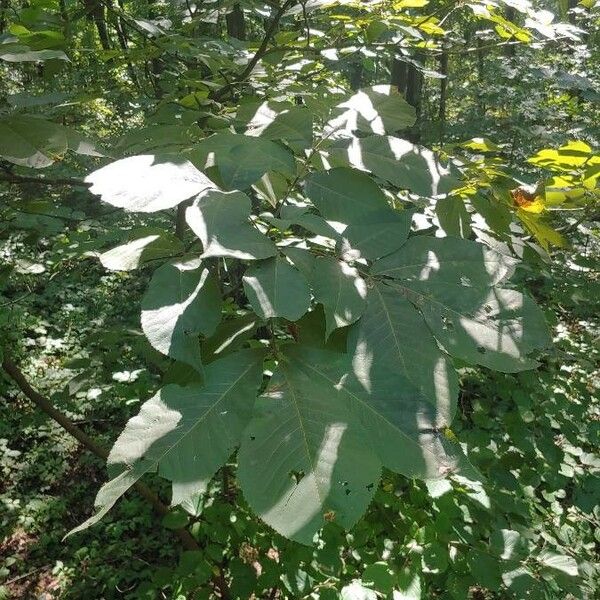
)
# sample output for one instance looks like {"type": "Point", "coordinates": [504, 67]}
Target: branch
{"type": "Point", "coordinates": [262, 50]}
{"type": "Point", "coordinates": [46, 406]}
{"type": "Point", "coordinates": [188, 541]}
{"type": "Point", "coordinates": [25, 179]}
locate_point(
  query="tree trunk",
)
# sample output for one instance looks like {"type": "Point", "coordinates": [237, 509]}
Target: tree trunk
{"type": "Point", "coordinates": [509, 49]}
{"type": "Point", "coordinates": [95, 9]}
{"type": "Point", "coordinates": [3, 11]}
{"type": "Point", "coordinates": [236, 23]}
{"type": "Point", "coordinates": [356, 76]}
{"type": "Point", "coordinates": [398, 75]}
{"type": "Point", "coordinates": [443, 92]}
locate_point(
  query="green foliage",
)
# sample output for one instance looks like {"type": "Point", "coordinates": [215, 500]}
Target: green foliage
{"type": "Point", "coordinates": [346, 226]}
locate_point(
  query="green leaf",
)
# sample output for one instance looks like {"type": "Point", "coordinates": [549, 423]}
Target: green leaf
{"type": "Point", "coordinates": [345, 195]}
{"type": "Point", "coordinates": [220, 220]}
{"type": "Point", "coordinates": [379, 576]}
{"type": "Point", "coordinates": [170, 432]}
{"type": "Point", "coordinates": [378, 234]}
{"type": "Point", "coordinates": [357, 591]}
{"type": "Point", "coordinates": [558, 562]}
{"type": "Point", "coordinates": [401, 163]}
{"type": "Point", "coordinates": [30, 141]}
{"type": "Point", "coordinates": [341, 291]}
{"type": "Point", "coordinates": [508, 544]}
{"type": "Point", "coordinates": [182, 301]}
{"type": "Point", "coordinates": [392, 335]}
{"type": "Point", "coordinates": [303, 459]}
{"type": "Point", "coordinates": [148, 183]}
{"type": "Point", "coordinates": [300, 215]}
{"type": "Point", "coordinates": [146, 245]}
{"type": "Point", "coordinates": [19, 53]}
{"type": "Point", "coordinates": [276, 289]}
{"type": "Point", "coordinates": [453, 217]}
{"type": "Point", "coordinates": [379, 109]}
{"type": "Point", "coordinates": [278, 121]}
{"type": "Point", "coordinates": [409, 586]}
{"type": "Point", "coordinates": [492, 327]}
{"type": "Point", "coordinates": [446, 260]}
{"type": "Point", "coordinates": [242, 160]}
{"type": "Point", "coordinates": [229, 336]}
{"type": "Point", "coordinates": [485, 569]}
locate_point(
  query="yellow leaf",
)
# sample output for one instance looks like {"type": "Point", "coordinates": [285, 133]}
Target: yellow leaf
{"type": "Point", "coordinates": [543, 233]}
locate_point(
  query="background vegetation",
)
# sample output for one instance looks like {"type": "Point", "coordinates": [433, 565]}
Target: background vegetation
{"type": "Point", "coordinates": [498, 86]}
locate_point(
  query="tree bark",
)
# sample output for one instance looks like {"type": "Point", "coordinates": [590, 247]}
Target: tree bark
{"type": "Point", "coordinates": [236, 22]}
{"type": "Point", "coordinates": [3, 11]}
{"type": "Point", "coordinates": [443, 92]}
{"type": "Point", "coordinates": [509, 49]}
{"type": "Point", "coordinates": [398, 75]}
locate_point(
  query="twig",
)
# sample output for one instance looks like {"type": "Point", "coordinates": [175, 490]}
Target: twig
{"type": "Point", "coordinates": [25, 179]}
{"type": "Point", "coordinates": [262, 49]}
{"type": "Point", "coordinates": [25, 575]}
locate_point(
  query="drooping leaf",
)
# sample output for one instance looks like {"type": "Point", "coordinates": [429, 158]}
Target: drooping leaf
{"type": "Point", "coordinates": [392, 335]}
{"type": "Point", "coordinates": [276, 289]}
{"type": "Point", "coordinates": [145, 245]}
{"type": "Point", "coordinates": [379, 109]}
{"type": "Point", "coordinates": [30, 141]}
{"type": "Point", "coordinates": [183, 300]}
{"type": "Point", "coordinates": [15, 53]}
{"type": "Point", "coordinates": [221, 221]}
{"type": "Point", "coordinates": [453, 217]}
{"type": "Point", "coordinates": [449, 260]}
{"type": "Point", "coordinates": [304, 460]}
{"type": "Point", "coordinates": [345, 195]}
{"type": "Point", "coordinates": [341, 291]}
{"type": "Point", "coordinates": [170, 432]}
{"type": "Point", "coordinates": [401, 163]}
{"type": "Point", "coordinates": [148, 183]}
{"type": "Point", "coordinates": [242, 160]}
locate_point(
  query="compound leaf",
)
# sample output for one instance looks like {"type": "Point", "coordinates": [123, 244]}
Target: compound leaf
{"type": "Point", "coordinates": [276, 289]}
{"type": "Point", "coordinates": [186, 433]}
{"type": "Point", "coordinates": [220, 220]}
{"type": "Point", "coordinates": [182, 301]}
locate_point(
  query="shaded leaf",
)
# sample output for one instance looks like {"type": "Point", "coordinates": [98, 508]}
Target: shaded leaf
{"type": "Point", "coordinates": [345, 195]}
{"type": "Point", "coordinates": [276, 289]}
{"type": "Point", "coordinates": [221, 221]}
{"type": "Point", "coordinates": [398, 161]}
{"type": "Point", "coordinates": [30, 141]}
{"type": "Point", "coordinates": [182, 301]}
{"type": "Point", "coordinates": [242, 160]}
{"type": "Point", "coordinates": [170, 432]}
{"type": "Point", "coordinates": [341, 291]}
{"type": "Point", "coordinates": [379, 109]}
{"type": "Point", "coordinates": [144, 247]}
{"type": "Point", "coordinates": [392, 335]}
{"type": "Point", "coordinates": [303, 460]}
